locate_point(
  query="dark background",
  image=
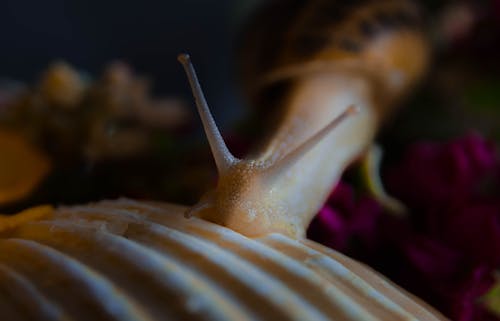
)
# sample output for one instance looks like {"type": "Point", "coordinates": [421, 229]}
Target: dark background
{"type": "Point", "coordinates": [461, 92]}
{"type": "Point", "coordinates": [146, 34]}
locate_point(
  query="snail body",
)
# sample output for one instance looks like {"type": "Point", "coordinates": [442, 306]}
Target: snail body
{"type": "Point", "coordinates": [378, 40]}
{"type": "Point", "coordinates": [368, 59]}
{"type": "Point", "coordinates": [240, 253]}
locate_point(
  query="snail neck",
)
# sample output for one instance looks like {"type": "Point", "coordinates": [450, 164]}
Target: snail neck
{"type": "Point", "coordinates": [271, 193]}
{"type": "Point", "coordinates": [281, 189]}
{"type": "Point", "coordinates": [315, 101]}
{"type": "Point", "coordinates": [311, 104]}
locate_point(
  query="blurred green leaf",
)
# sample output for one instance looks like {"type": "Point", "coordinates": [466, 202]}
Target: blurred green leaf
{"type": "Point", "coordinates": [492, 299]}
{"type": "Point", "coordinates": [484, 95]}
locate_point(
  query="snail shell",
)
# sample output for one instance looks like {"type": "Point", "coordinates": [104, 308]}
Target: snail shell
{"type": "Point", "coordinates": [130, 260]}
{"type": "Point", "coordinates": [289, 40]}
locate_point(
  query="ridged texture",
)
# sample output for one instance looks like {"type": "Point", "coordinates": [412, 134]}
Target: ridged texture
{"type": "Point", "coordinates": [286, 33]}
{"type": "Point", "coordinates": [128, 260]}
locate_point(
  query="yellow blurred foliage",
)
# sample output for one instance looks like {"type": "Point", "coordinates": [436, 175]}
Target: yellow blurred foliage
{"type": "Point", "coordinates": [8, 222]}
{"type": "Point", "coordinates": [22, 167]}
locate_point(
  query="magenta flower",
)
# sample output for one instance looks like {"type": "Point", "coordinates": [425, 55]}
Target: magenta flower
{"type": "Point", "coordinates": [444, 173]}
{"type": "Point", "coordinates": [454, 190]}
{"type": "Point", "coordinates": [445, 277]}
{"type": "Point", "coordinates": [474, 229]}
{"type": "Point", "coordinates": [448, 248]}
{"type": "Point", "coordinates": [346, 218]}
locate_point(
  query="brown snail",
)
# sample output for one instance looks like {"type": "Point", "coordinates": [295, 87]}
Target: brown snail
{"type": "Point", "coordinates": [131, 260]}
{"type": "Point", "coordinates": [294, 171]}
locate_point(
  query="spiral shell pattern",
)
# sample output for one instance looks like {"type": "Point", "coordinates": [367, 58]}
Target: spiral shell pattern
{"type": "Point", "coordinates": [130, 260]}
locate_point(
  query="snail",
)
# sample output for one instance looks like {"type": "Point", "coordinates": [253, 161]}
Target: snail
{"type": "Point", "coordinates": [283, 185]}
{"type": "Point", "coordinates": [240, 253]}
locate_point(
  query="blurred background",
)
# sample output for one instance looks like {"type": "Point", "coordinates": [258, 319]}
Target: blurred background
{"type": "Point", "coordinates": [52, 44]}
{"type": "Point", "coordinates": [134, 45]}
{"type": "Point", "coordinates": [148, 35]}
{"type": "Point", "coordinates": [93, 105]}
{"type": "Point", "coordinates": [130, 47]}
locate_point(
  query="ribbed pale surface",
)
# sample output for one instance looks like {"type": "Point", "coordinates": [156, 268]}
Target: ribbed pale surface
{"type": "Point", "coordinates": [128, 260]}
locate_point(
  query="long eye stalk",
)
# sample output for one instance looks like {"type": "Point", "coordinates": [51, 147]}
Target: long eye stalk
{"type": "Point", "coordinates": [223, 157]}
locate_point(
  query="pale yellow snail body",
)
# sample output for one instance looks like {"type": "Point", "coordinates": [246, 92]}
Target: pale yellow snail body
{"type": "Point", "coordinates": [240, 255]}
{"type": "Point", "coordinates": [282, 186]}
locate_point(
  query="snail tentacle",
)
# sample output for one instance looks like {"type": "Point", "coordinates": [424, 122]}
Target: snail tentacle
{"type": "Point", "coordinates": [205, 202]}
{"type": "Point", "coordinates": [223, 157]}
{"type": "Point", "coordinates": [371, 173]}
{"type": "Point", "coordinates": [292, 157]}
